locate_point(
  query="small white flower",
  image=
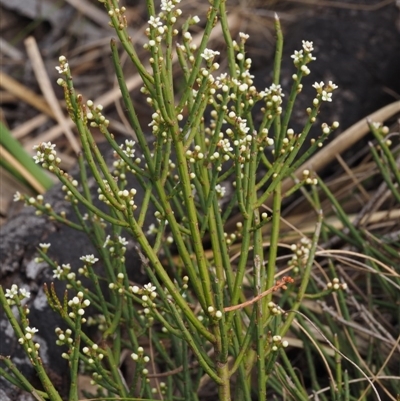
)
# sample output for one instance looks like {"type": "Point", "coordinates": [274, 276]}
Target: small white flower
{"type": "Point", "coordinates": [243, 127]}
{"type": "Point", "coordinates": [17, 197]}
{"type": "Point", "coordinates": [308, 46]}
{"type": "Point", "coordinates": [45, 149]}
{"type": "Point", "coordinates": [326, 97]}
{"type": "Point", "coordinates": [222, 78]}
{"type": "Point", "coordinates": [332, 86]}
{"type": "Point", "coordinates": [45, 146]}
{"type": "Point", "coordinates": [209, 54]}
{"type": "Point", "coordinates": [63, 68]}
{"type": "Point", "coordinates": [149, 287]}
{"type": "Point", "coordinates": [297, 56]}
{"type": "Point", "coordinates": [122, 241]}
{"type": "Point", "coordinates": [12, 292]}
{"type": "Point", "coordinates": [106, 242]}
{"type": "Point", "coordinates": [275, 90]}
{"type": "Point", "coordinates": [220, 190]}
{"type": "Point", "coordinates": [155, 22]}
{"type": "Point", "coordinates": [167, 5]}
{"type": "Point", "coordinates": [151, 230]}
{"type": "Point", "coordinates": [225, 145]}
{"type": "Point", "coordinates": [57, 272]}
{"type": "Point", "coordinates": [319, 86]}
{"type": "Point", "coordinates": [44, 246]}
{"type": "Point", "coordinates": [25, 293]}
{"type": "Point", "coordinates": [89, 259]}
{"type": "Point", "coordinates": [31, 330]}
{"type": "Point", "coordinates": [39, 158]}
{"type": "Point", "coordinates": [128, 149]}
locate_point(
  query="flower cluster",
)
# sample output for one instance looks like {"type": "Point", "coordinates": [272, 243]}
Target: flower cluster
{"type": "Point", "coordinates": [95, 116]}
{"type": "Point", "coordinates": [116, 247]}
{"type": "Point", "coordinates": [303, 57]}
{"type": "Point", "coordinates": [16, 295]}
{"type": "Point", "coordinates": [124, 197]}
{"type": "Point", "coordinates": [147, 290]}
{"type": "Point", "coordinates": [140, 358]}
{"type": "Point", "coordinates": [308, 179]}
{"type": "Point", "coordinates": [159, 25]}
{"type": "Point", "coordinates": [215, 314]}
{"type": "Point", "coordinates": [275, 309]}
{"type": "Point", "coordinates": [93, 353]}
{"type": "Point", "coordinates": [64, 337]}
{"type": "Point", "coordinates": [148, 294]}
{"type": "Point", "coordinates": [64, 67]}
{"type": "Point", "coordinates": [89, 259]}
{"type": "Point", "coordinates": [230, 238]}
{"type": "Point", "coordinates": [128, 197]}
{"type": "Point", "coordinates": [301, 252]}
{"type": "Point", "coordinates": [63, 271]}
{"type": "Point", "coordinates": [118, 18]}
{"type": "Point", "coordinates": [46, 155]}
{"type": "Point", "coordinates": [324, 92]}
{"type": "Point", "coordinates": [169, 5]}
{"type": "Point", "coordinates": [209, 55]}
{"type": "Point", "coordinates": [30, 346]}
{"type": "Point", "coordinates": [128, 148]}
{"type": "Point", "coordinates": [336, 285]}
{"type": "Point", "coordinates": [78, 305]}
{"type": "Point", "coordinates": [38, 203]}
{"type": "Point", "coordinates": [277, 343]}
{"type": "Point", "coordinates": [88, 262]}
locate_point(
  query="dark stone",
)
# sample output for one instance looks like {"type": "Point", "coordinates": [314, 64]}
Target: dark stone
{"type": "Point", "coordinates": [358, 50]}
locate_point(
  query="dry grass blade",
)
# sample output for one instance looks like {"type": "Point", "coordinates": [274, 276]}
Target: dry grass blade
{"type": "Point", "coordinates": [91, 12]}
{"type": "Point", "coordinates": [47, 89]}
{"type": "Point", "coordinates": [11, 51]}
{"type": "Point", "coordinates": [338, 253]}
{"type": "Point", "coordinates": [5, 155]}
{"type": "Point", "coordinates": [340, 353]}
{"type": "Point", "coordinates": [27, 127]}
{"type": "Point", "coordinates": [25, 94]}
{"type": "Point", "coordinates": [377, 376]}
{"type": "Point", "coordinates": [343, 142]}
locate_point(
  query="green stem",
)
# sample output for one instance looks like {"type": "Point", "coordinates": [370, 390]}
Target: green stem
{"type": "Point", "coordinates": [193, 222]}
{"type": "Point", "coordinates": [273, 247]}
{"type": "Point", "coordinates": [161, 272]}
{"type": "Point", "coordinates": [305, 278]}
{"type": "Point", "coordinates": [74, 361]}
{"type": "Point", "coordinates": [132, 116]}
